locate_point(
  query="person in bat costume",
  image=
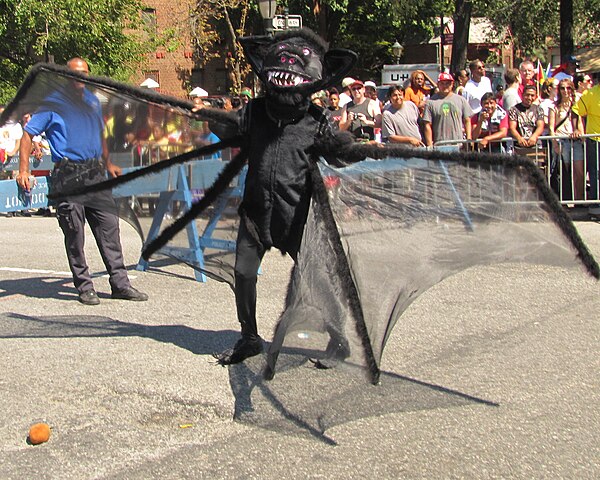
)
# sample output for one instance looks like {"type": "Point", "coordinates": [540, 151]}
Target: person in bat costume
{"type": "Point", "coordinates": [280, 128]}
{"type": "Point", "coordinates": [281, 137]}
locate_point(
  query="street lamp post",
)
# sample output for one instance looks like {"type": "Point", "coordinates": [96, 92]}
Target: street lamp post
{"type": "Point", "coordinates": [397, 51]}
{"type": "Point", "coordinates": [267, 12]}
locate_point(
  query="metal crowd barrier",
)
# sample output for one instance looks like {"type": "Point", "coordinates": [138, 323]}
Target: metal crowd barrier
{"type": "Point", "coordinates": [569, 165]}
{"type": "Point", "coordinates": [200, 175]}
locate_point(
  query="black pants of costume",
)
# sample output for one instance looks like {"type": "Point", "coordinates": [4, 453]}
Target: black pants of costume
{"type": "Point", "coordinates": [249, 254]}
{"type": "Point", "coordinates": [105, 227]}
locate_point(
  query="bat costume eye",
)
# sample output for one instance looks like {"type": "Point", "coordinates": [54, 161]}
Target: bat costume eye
{"type": "Point", "coordinates": [306, 52]}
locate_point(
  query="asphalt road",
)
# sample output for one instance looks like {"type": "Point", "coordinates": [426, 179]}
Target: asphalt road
{"type": "Point", "coordinates": [495, 373]}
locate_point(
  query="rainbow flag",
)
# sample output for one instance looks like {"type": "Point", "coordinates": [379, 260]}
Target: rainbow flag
{"type": "Point", "coordinates": [540, 73]}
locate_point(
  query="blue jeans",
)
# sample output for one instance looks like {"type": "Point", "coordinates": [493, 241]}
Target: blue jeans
{"type": "Point", "coordinates": [591, 156]}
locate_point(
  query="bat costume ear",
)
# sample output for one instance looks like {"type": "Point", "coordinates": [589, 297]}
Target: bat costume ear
{"type": "Point", "coordinates": [255, 48]}
{"type": "Point", "coordinates": [337, 63]}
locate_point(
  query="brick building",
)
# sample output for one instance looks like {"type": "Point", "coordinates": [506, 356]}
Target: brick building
{"type": "Point", "coordinates": [175, 71]}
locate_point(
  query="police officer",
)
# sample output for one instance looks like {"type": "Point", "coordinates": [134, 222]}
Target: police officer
{"type": "Point", "coordinates": [72, 120]}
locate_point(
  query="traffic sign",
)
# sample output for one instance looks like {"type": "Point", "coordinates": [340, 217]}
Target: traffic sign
{"type": "Point", "coordinates": [447, 38]}
{"type": "Point", "coordinates": [285, 22]}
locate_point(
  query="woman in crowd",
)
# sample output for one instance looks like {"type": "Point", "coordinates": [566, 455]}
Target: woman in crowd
{"type": "Point", "coordinates": [548, 96]}
{"type": "Point", "coordinates": [460, 80]}
{"type": "Point", "coordinates": [417, 92]}
{"type": "Point", "coordinates": [400, 119]}
{"type": "Point", "coordinates": [562, 121]}
{"type": "Point", "coordinates": [334, 109]}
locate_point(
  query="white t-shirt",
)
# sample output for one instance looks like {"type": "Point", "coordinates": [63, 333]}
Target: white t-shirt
{"type": "Point", "coordinates": [473, 92]}
{"type": "Point", "coordinates": [344, 99]}
{"type": "Point", "coordinates": [10, 134]}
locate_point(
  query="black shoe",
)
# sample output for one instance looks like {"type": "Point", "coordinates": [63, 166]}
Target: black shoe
{"type": "Point", "coordinates": [89, 297]}
{"type": "Point", "coordinates": [129, 294]}
{"type": "Point", "coordinates": [245, 347]}
{"type": "Point", "coordinates": [43, 212]}
{"type": "Point", "coordinates": [335, 353]}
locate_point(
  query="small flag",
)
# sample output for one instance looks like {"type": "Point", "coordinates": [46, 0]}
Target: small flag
{"type": "Point", "coordinates": [539, 72]}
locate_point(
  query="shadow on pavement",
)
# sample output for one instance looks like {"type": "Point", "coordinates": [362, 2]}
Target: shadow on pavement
{"type": "Point", "coordinates": [307, 401]}
{"type": "Point", "coordinates": [53, 286]}
{"type": "Point", "coordinates": [199, 342]}
{"type": "Point", "coordinates": [300, 400]}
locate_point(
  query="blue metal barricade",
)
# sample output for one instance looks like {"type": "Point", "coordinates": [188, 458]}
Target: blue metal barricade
{"type": "Point", "coordinates": [180, 183]}
{"type": "Point", "coordinates": [570, 165]}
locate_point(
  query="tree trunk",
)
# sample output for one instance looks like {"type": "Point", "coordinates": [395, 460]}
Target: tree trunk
{"type": "Point", "coordinates": [460, 41]}
{"type": "Point", "coordinates": [566, 28]}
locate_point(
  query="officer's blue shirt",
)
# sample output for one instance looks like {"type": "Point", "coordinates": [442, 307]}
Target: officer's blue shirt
{"type": "Point", "coordinates": [73, 124]}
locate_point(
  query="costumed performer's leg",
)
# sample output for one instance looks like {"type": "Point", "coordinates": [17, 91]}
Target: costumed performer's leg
{"type": "Point", "coordinates": [249, 254]}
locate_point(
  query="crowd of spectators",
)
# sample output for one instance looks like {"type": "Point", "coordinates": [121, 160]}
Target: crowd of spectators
{"type": "Point", "coordinates": [513, 117]}
{"type": "Point", "coordinates": [422, 113]}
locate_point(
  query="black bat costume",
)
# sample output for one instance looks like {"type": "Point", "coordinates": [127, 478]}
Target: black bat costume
{"type": "Point", "coordinates": [280, 129]}
{"type": "Point", "coordinates": [387, 229]}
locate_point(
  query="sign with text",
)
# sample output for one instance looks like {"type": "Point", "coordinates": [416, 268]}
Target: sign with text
{"type": "Point", "coordinates": [447, 38]}
{"type": "Point", "coordinates": [13, 198]}
{"type": "Point", "coordinates": [285, 22]}
{"type": "Point", "coordinates": [12, 164]}
{"type": "Point", "coordinates": [400, 74]}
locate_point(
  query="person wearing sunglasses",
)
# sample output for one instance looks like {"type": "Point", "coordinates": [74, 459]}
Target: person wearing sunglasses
{"type": "Point", "coordinates": [477, 85]}
{"type": "Point", "coordinates": [362, 115]}
{"type": "Point", "coordinates": [563, 122]}
{"type": "Point", "coordinates": [582, 83]}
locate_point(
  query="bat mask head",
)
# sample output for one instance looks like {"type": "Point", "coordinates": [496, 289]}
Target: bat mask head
{"type": "Point", "coordinates": [296, 63]}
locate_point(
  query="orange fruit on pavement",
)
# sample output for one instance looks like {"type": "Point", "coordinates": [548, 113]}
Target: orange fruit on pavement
{"type": "Point", "coordinates": [39, 433]}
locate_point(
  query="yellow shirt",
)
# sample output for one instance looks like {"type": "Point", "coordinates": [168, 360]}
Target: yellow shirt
{"type": "Point", "coordinates": [589, 106]}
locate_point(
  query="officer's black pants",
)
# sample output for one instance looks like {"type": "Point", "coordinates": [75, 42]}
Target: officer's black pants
{"type": "Point", "coordinates": [105, 227]}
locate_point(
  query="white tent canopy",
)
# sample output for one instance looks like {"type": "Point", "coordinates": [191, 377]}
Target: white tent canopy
{"type": "Point", "coordinates": [149, 83]}
{"type": "Point", "coordinates": [198, 92]}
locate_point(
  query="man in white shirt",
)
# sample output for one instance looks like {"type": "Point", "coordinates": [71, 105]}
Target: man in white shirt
{"type": "Point", "coordinates": [477, 85]}
{"type": "Point", "coordinates": [10, 138]}
{"type": "Point", "coordinates": [346, 96]}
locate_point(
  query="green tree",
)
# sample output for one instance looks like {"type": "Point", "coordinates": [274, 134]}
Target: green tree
{"type": "Point", "coordinates": [369, 27]}
{"type": "Point", "coordinates": [217, 22]}
{"type": "Point", "coordinates": [536, 25]}
{"type": "Point", "coordinates": [106, 33]}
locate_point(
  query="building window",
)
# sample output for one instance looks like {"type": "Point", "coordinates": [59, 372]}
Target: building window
{"type": "Point", "coordinates": [152, 74]}
{"type": "Point", "coordinates": [149, 20]}
{"type": "Point", "coordinates": [197, 78]}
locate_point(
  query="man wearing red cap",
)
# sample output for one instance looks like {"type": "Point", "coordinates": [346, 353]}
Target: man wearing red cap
{"type": "Point", "coordinates": [447, 116]}
{"type": "Point", "coordinates": [362, 115]}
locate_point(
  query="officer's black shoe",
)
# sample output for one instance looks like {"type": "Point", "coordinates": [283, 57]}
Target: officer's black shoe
{"type": "Point", "coordinates": [89, 297]}
{"type": "Point", "coordinates": [245, 347]}
{"type": "Point", "coordinates": [129, 294]}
